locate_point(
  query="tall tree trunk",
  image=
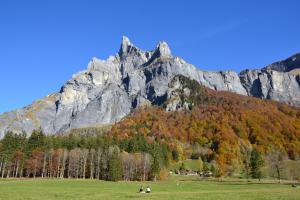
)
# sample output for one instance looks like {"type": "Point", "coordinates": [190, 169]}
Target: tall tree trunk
{"type": "Point", "coordinates": [8, 172]}
{"type": "Point", "coordinates": [84, 166]}
{"type": "Point", "coordinates": [92, 166]}
{"type": "Point", "coordinates": [22, 168]}
{"type": "Point", "coordinates": [77, 171]}
{"type": "Point", "coordinates": [13, 170]}
{"type": "Point", "coordinates": [44, 164]}
{"type": "Point", "coordinates": [98, 164]}
{"type": "Point", "coordinates": [50, 167]}
{"type": "Point", "coordinates": [278, 173]}
{"type": "Point", "coordinates": [1, 164]}
{"type": "Point", "coordinates": [69, 167]}
{"type": "Point", "coordinates": [17, 169]}
{"type": "Point", "coordinates": [34, 171]}
{"type": "Point", "coordinates": [62, 172]}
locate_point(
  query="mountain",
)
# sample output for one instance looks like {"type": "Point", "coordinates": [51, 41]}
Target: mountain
{"type": "Point", "coordinates": [217, 125]}
{"type": "Point", "coordinates": [108, 90]}
{"type": "Point", "coordinates": [278, 81]}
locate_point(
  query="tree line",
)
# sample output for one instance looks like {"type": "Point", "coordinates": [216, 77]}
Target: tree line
{"type": "Point", "coordinates": [97, 156]}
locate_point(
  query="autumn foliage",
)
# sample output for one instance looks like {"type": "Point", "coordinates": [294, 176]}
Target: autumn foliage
{"type": "Point", "coordinates": [221, 122]}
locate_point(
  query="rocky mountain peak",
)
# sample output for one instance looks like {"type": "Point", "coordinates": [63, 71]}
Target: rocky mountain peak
{"type": "Point", "coordinates": [163, 49]}
{"type": "Point", "coordinates": [108, 90]}
{"type": "Point", "coordinates": [126, 47]}
{"type": "Point", "coordinates": [125, 44]}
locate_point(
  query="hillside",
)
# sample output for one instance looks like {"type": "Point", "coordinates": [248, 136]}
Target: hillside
{"type": "Point", "coordinates": [217, 125]}
{"type": "Point", "coordinates": [224, 131]}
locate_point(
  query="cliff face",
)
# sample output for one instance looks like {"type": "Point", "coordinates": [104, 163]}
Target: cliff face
{"type": "Point", "coordinates": [279, 81]}
{"type": "Point", "coordinates": [109, 89]}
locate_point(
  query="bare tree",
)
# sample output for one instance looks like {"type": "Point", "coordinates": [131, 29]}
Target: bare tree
{"type": "Point", "coordinates": [63, 163]}
{"type": "Point", "coordinates": [146, 165]}
{"type": "Point", "coordinates": [84, 157]}
{"type": "Point", "coordinates": [275, 160]}
{"type": "Point", "coordinates": [44, 164]}
{"type": "Point", "coordinates": [98, 163]}
{"type": "Point", "coordinates": [128, 166]}
{"type": "Point", "coordinates": [292, 171]}
{"type": "Point", "coordinates": [34, 163]}
{"type": "Point", "coordinates": [74, 161]}
{"type": "Point", "coordinates": [17, 158]}
{"type": "Point", "coordinates": [92, 163]}
{"type": "Point", "coordinates": [246, 156]}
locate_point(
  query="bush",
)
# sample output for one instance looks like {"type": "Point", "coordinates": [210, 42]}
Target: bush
{"type": "Point", "coordinates": [163, 174]}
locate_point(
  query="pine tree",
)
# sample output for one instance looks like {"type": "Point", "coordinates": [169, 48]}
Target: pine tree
{"type": "Point", "coordinates": [256, 162]}
{"type": "Point", "coordinates": [36, 140]}
{"type": "Point", "coordinates": [155, 167]}
{"type": "Point", "coordinates": [115, 169]}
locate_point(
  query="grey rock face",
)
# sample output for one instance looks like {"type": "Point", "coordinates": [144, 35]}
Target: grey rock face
{"type": "Point", "coordinates": [270, 84]}
{"type": "Point", "coordinates": [279, 81]}
{"type": "Point", "coordinates": [109, 89]}
{"type": "Point", "coordinates": [175, 101]}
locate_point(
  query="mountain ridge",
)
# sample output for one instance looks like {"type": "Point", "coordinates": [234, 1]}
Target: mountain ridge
{"type": "Point", "coordinates": [108, 90]}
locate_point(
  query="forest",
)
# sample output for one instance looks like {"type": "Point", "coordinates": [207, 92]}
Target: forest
{"type": "Point", "coordinates": [79, 156]}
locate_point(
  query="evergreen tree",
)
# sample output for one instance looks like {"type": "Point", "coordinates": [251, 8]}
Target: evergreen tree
{"type": "Point", "coordinates": [256, 162]}
{"type": "Point", "coordinates": [206, 166]}
{"type": "Point", "coordinates": [155, 167]}
{"type": "Point", "coordinates": [137, 143]}
{"type": "Point", "coordinates": [36, 140]}
{"type": "Point", "coordinates": [175, 155]}
{"type": "Point", "coordinates": [115, 169]}
{"type": "Point", "coordinates": [68, 142]}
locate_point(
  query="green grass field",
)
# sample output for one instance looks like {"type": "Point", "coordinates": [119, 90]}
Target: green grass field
{"type": "Point", "coordinates": [174, 188]}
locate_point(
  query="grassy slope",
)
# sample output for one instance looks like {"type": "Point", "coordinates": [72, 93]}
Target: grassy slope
{"type": "Point", "coordinates": [175, 188]}
{"type": "Point", "coordinates": [189, 164]}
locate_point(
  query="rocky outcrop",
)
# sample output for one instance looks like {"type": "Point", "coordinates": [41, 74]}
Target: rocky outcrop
{"type": "Point", "coordinates": [109, 89]}
{"type": "Point", "coordinates": [279, 81]}
{"type": "Point", "coordinates": [286, 65]}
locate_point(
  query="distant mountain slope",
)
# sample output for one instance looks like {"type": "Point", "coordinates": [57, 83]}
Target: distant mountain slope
{"type": "Point", "coordinates": [278, 81]}
{"type": "Point", "coordinates": [108, 90]}
{"type": "Point", "coordinates": [224, 124]}
{"type": "Point", "coordinates": [286, 65]}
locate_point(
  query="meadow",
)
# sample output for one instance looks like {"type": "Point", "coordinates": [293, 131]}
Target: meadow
{"type": "Point", "coordinates": [176, 187]}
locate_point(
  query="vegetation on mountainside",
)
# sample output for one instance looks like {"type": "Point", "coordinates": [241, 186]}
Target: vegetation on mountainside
{"type": "Point", "coordinates": [220, 127]}
{"type": "Point", "coordinates": [228, 133]}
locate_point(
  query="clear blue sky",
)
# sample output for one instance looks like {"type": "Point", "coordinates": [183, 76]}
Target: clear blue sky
{"type": "Point", "coordinates": [42, 43]}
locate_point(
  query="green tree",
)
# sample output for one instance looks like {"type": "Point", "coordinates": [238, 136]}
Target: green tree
{"type": "Point", "coordinates": [137, 143]}
{"type": "Point", "coordinates": [182, 166]}
{"type": "Point", "coordinates": [206, 167]}
{"type": "Point", "coordinates": [36, 140]}
{"type": "Point", "coordinates": [256, 163]}
{"type": "Point", "coordinates": [115, 169]}
{"type": "Point", "coordinates": [11, 143]}
{"type": "Point", "coordinates": [155, 166]}
{"type": "Point", "coordinates": [175, 155]}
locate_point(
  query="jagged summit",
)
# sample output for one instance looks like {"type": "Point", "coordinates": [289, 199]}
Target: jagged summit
{"type": "Point", "coordinates": [163, 49]}
{"type": "Point", "coordinates": [127, 48]}
{"type": "Point", "coordinates": [125, 45]}
{"type": "Point", "coordinates": [108, 90]}
{"type": "Point", "coordinates": [126, 41]}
